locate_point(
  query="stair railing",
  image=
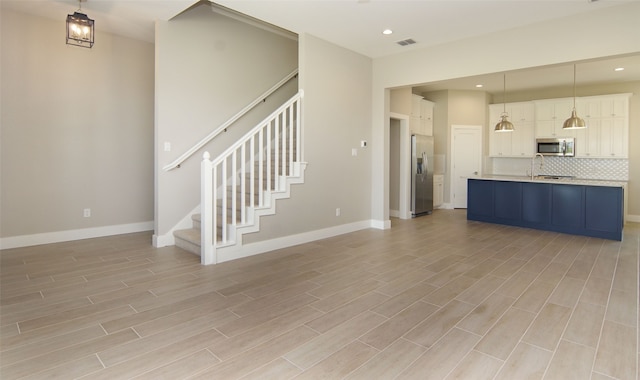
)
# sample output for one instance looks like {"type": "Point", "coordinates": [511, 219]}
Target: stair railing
{"type": "Point", "coordinates": [178, 161]}
{"type": "Point", "coordinates": [245, 175]}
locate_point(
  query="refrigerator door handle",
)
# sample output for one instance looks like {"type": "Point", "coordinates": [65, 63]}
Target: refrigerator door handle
{"type": "Point", "coordinates": [425, 159]}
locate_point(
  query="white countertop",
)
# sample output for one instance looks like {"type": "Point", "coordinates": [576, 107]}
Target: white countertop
{"type": "Point", "coordinates": [562, 180]}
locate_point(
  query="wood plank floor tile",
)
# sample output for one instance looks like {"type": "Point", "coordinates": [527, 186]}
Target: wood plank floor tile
{"type": "Point", "coordinates": [44, 346]}
{"type": "Point", "coordinates": [443, 357]}
{"type": "Point", "coordinates": [398, 303]}
{"type": "Point", "coordinates": [246, 323]}
{"type": "Point", "coordinates": [55, 358]}
{"type": "Point", "coordinates": [432, 297]}
{"type": "Point", "coordinates": [276, 370]}
{"type": "Point", "coordinates": [476, 366]}
{"type": "Point", "coordinates": [264, 332]}
{"type": "Point", "coordinates": [585, 324]}
{"type": "Point", "coordinates": [486, 314]}
{"type": "Point", "coordinates": [428, 332]}
{"type": "Point", "coordinates": [535, 296]}
{"type": "Point", "coordinates": [503, 337]}
{"type": "Point", "coordinates": [65, 327]}
{"type": "Point", "coordinates": [346, 312]}
{"type": "Point", "coordinates": [333, 340]}
{"type": "Point", "coordinates": [346, 295]}
{"type": "Point", "coordinates": [567, 292]}
{"type": "Point", "coordinates": [449, 291]}
{"type": "Point", "coordinates": [157, 357]}
{"type": "Point", "coordinates": [258, 356]}
{"type": "Point", "coordinates": [341, 363]}
{"type": "Point", "coordinates": [571, 361]}
{"type": "Point", "coordinates": [616, 354]}
{"type": "Point", "coordinates": [526, 362]}
{"type": "Point", "coordinates": [390, 362]}
{"type": "Point", "coordinates": [389, 331]}
{"type": "Point", "coordinates": [548, 326]}
{"type": "Point", "coordinates": [69, 370]}
{"type": "Point", "coordinates": [181, 368]}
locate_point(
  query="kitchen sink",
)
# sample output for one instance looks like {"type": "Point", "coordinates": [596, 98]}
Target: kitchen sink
{"type": "Point", "coordinates": [554, 177]}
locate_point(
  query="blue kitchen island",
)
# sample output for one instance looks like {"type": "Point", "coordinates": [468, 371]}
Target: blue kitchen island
{"type": "Point", "coordinates": [589, 208]}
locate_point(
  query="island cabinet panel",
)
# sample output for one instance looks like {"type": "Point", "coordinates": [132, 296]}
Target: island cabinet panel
{"type": "Point", "coordinates": [508, 200]}
{"type": "Point", "coordinates": [536, 204]}
{"type": "Point", "coordinates": [480, 198]}
{"type": "Point", "coordinates": [602, 211]}
{"type": "Point", "coordinates": [575, 209]}
{"type": "Point", "coordinates": [567, 207]}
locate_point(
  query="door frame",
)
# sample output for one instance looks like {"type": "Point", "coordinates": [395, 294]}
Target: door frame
{"type": "Point", "coordinates": [405, 165]}
{"type": "Point", "coordinates": [454, 129]}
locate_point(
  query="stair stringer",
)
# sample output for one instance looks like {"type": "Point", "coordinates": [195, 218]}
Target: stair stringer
{"type": "Point", "coordinates": [233, 250]}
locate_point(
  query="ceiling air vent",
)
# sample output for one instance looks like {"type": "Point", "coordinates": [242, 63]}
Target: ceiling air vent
{"type": "Point", "coordinates": [408, 41]}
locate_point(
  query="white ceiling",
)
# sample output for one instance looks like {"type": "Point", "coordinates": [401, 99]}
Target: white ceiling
{"type": "Point", "coordinates": [357, 25]}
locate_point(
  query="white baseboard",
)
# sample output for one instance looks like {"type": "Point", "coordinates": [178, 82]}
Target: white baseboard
{"type": "Point", "coordinates": [165, 240]}
{"type": "Point", "coordinates": [633, 218]}
{"type": "Point", "coordinates": [85, 233]}
{"type": "Point", "coordinates": [394, 213]}
{"type": "Point", "coordinates": [381, 224]}
{"type": "Point", "coordinates": [233, 252]}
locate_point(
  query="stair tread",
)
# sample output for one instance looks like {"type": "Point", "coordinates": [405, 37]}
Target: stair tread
{"type": "Point", "coordinates": [191, 235]}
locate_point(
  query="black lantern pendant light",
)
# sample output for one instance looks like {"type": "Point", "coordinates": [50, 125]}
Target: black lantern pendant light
{"type": "Point", "coordinates": [574, 122]}
{"type": "Point", "coordinates": [504, 125]}
{"type": "Point", "coordinates": [80, 29]}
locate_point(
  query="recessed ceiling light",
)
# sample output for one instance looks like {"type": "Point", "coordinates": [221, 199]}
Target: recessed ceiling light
{"type": "Point", "coordinates": [387, 31]}
{"type": "Point", "coordinates": [618, 69]}
{"type": "Point", "coordinates": [479, 86]}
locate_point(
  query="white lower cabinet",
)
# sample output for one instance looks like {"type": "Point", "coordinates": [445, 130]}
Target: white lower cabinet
{"type": "Point", "coordinates": [438, 190]}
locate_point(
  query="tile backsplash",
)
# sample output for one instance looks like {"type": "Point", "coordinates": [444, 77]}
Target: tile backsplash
{"type": "Point", "coordinates": [585, 168]}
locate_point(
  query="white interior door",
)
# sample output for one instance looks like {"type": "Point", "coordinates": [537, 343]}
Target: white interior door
{"type": "Point", "coordinates": [466, 160]}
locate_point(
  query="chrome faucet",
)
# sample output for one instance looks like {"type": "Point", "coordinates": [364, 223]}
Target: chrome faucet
{"type": "Point", "coordinates": [533, 161]}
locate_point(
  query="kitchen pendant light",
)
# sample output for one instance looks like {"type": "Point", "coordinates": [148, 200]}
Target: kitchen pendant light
{"type": "Point", "coordinates": [574, 122]}
{"type": "Point", "coordinates": [504, 125]}
{"type": "Point", "coordinates": [80, 28]}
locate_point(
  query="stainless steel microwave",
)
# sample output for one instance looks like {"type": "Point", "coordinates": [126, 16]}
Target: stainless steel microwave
{"type": "Point", "coordinates": [562, 146]}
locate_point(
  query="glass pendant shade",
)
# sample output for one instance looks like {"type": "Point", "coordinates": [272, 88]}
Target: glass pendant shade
{"type": "Point", "coordinates": [80, 30]}
{"type": "Point", "coordinates": [574, 122]}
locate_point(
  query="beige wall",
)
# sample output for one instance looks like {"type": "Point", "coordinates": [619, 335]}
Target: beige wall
{"type": "Point", "coordinates": [208, 67]}
{"type": "Point", "coordinates": [336, 117]}
{"type": "Point", "coordinates": [77, 129]}
{"type": "Point", "coordinates": [612, 31]}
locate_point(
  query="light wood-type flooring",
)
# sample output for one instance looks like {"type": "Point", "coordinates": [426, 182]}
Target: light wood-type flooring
{"type": "Point", "coordinates": [437, 297]}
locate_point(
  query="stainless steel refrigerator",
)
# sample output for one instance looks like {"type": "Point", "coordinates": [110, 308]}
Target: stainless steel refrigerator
{"type": "Point", "coordinates": [421, 175]}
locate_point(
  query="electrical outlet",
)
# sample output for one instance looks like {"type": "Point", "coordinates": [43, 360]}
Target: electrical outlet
{"type": "Point", "coordinates": [354, 152]}
{"type": "Point", "coordinates": [167, 146]}
{"type": "Point", "coordinates": [338, 211]}
{"type": "Point", "coordinates": [87, 213]}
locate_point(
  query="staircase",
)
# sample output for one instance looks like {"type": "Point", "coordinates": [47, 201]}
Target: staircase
{"type": "Point", "coordinates": [244, 183]}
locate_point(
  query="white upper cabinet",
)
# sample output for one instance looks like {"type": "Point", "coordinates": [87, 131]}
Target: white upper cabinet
{"type": "Point", "coordinates": [427, 116]}
{"type": "Point", "coordinates": [550, 114]}
{"type": "Point", "coordinates": [606, 135]}
{"type": "Point", "coordinates": [421, 120]}
{"type": "Point", "coordinates": [520, 142]}
{"type": "Point", "coordinates": [607, 132]}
